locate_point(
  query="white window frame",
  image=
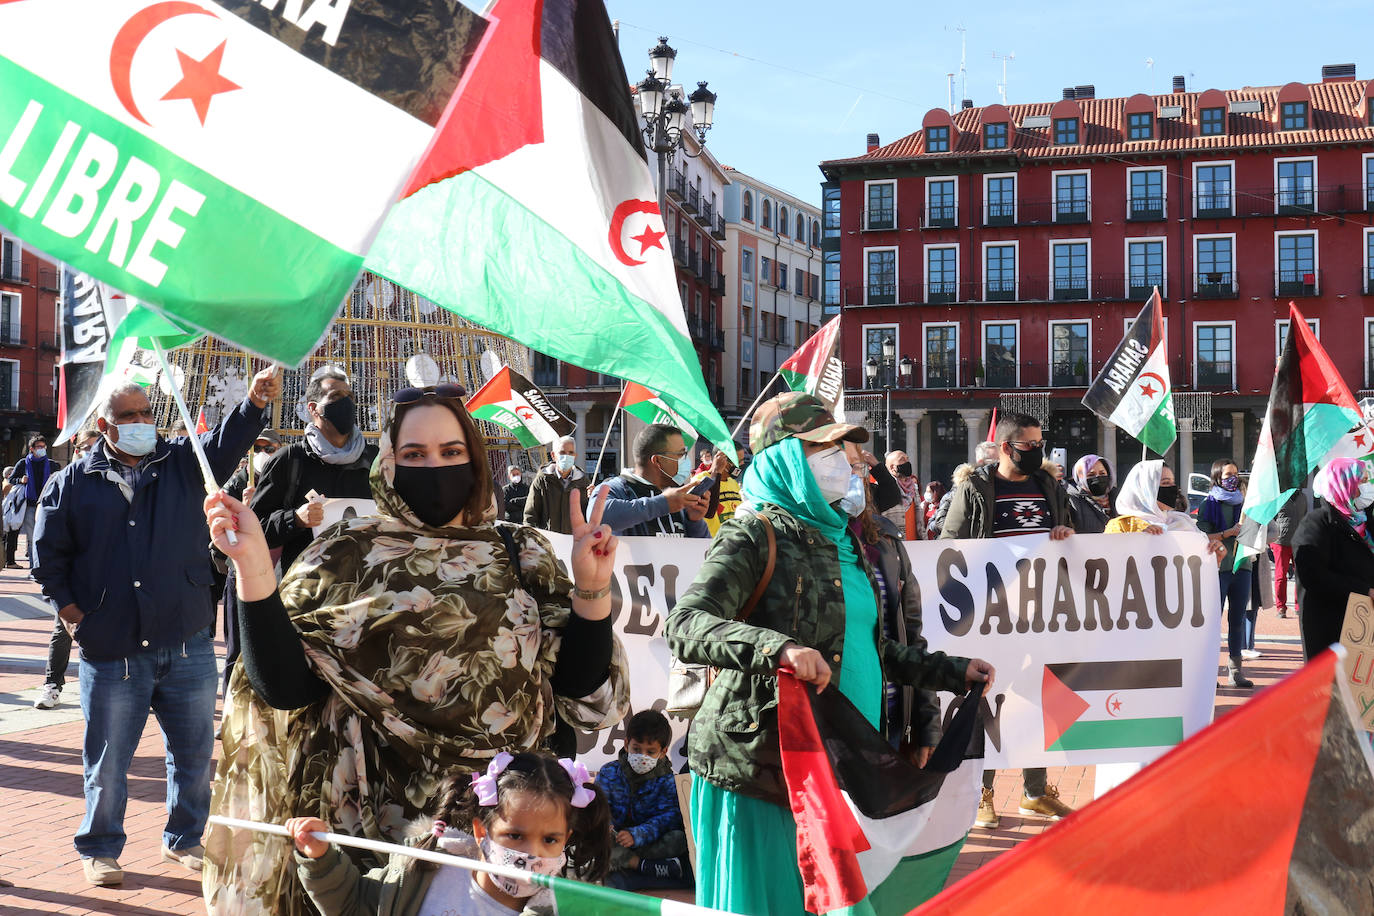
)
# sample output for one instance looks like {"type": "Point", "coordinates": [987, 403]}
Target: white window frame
{"type": "Point", "coordinates": [1365, 284]}
{"type": "Point", "coordinates": [931, 179]}
{"type": "Point", "coordinates": [1049, 351]}
{"type": "Point", "coordinates": [1163, 185]}
{"type": "Point", "coordinates": [1197, 362]}
{"type": "Point", "coordinates": [1316, 255]}
{"type": "Point", "coordinates": [1281, 326]}
{"type": "Point", "coordinates": [1015, 194]}
{"type": "Point", "coordinates": [1126, 255]}
{"type": "Point", "coordinates": [1126, 326]}
{"type": "Point", "coordinates": [1365, 184]}
{"type": "Point", "coordinates": [1311, 159]}
{"type": "Point", "coordinates": [1084, 240]}
{"type": "Point", "coordinates": [14, 382]}
{"type": "Point", "coordinates": [18, 247]}
{"type": "Point", "coordinates": [750, 272]}
{"type": "Point", "coordinates": [983, 345]}
{"type": "Point", "coordinates": [1054, 193]}
{"type": "Point", "coordinates": [958, 333]}
{"type": "Point", "coordinates": [863, 349]}
{"type": "Point", "coordinates": [925, 268]}
{"type": "Point", "coordinates": [1216, 235]}
{"type": "Point", "coordinates": [1364, 344]}
{"type": "Point", "coordinates": [1006, 243]}
{"type": "Point", "coordinates": [896, 271]}
{"type": "Point", "coordinates": [16, 325]}
{"type": "Point", "coordinates": [1227, 162]}
{"type": "Point", "coordinates": [864, 209]}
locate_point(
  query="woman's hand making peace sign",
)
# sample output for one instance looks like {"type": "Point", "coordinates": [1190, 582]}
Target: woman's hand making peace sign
{"type": "Point", "coordinates": [593, 557]}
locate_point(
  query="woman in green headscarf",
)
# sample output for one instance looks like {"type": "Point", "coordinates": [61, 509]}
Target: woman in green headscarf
{"type": "Point", "coordinates": [818, 617]}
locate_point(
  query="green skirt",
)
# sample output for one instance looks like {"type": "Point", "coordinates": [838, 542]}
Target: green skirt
{"type": "Point", "coordinates": [746, 853]}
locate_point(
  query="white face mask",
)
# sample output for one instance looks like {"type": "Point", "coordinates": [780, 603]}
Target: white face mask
{"type": "Point", "coordinates": [566, 463]}
{"type": "Point", "coordinates": [514, 858]}
{"type": "Point", "coordinates": [832, 472]}
{"type": "Point", "coordinates": [1365, 498]}
{"type": "Point", "coordinates": [260, 460]}
{"type": "Point", "coordinates": [854, 499]}
{"type": "Point", "coordinates": [641, 763]}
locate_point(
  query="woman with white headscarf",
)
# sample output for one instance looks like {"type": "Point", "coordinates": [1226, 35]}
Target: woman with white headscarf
{"type": "Point", "coordinates": [1333, 552]}
{"type": "Point", "coordinates": [1146, 502]}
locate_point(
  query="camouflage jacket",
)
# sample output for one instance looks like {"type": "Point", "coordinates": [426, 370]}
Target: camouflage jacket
{"type": "Point", "coordinates": [734, 738]}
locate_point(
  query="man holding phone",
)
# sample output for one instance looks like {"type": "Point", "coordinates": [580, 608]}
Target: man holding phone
{"type": "Point", "coordinates": [655, 499]}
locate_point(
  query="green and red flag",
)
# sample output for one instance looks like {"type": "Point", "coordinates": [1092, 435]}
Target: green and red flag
{"type": "Point", "coordinates": [1312, 418]}
{"type": "Point", "coordinates": [228, 163]}
{"type": "Point", "coordinates": [1093, 705]}
{"type": "Point", "coordinates": [816, 368]}
{"type": "Point", "coordinates": [1133, 390]}
{"type": "Point", "coordinates": [534, 213]}
{"type": "Point", "coordinates": [875, 834]}
{"type": "Point", "coordinates": [1213, 848]}
{"type": "Point", "coordinates": [647, 405]}
{"type": "Point", "coordinates": [512, 401]}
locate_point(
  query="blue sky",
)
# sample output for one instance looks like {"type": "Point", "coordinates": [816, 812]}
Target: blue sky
{"type": "Point", "coordinates": [804, 81]}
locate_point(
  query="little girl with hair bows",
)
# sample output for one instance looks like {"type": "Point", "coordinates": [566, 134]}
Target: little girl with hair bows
{"type": "Point", "coordinates": [527, 811]}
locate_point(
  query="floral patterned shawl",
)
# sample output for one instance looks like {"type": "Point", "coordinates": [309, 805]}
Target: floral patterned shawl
{"type": "Point", "coordinates": [437, 661]}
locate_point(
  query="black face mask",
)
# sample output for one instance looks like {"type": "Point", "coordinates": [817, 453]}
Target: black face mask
{"type": "Point", "coordinates": [435, 495]}
{"type": "Point", "coordinates": [1098, 486]}
{"type": "Point", "coordinates": [343, 414]}
{"type": "Point", "coordinates": [1168, 495]}
{"type": "Point", "coordinates": [904, 469]}
{"type": "Point", "coordinates": [1029, 460]}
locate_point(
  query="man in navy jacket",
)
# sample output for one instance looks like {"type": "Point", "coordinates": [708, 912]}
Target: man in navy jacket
{"type": "Point", "coordinates": [122, 551]}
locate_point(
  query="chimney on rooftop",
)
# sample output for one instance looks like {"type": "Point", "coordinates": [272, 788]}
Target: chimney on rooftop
{"type": "Point", "coordinates": [1332, 73]}
{"type": "Point", "coordinates": [873, 142]}
{"type": "Point", "coordinates": [1087, 91]}
{"type": "Point", "coordinates": [968, 103]}
{"type": "Point", "coordinates": [1180, 84]}
{"type": "Point", "coordinates": [1068, 92]}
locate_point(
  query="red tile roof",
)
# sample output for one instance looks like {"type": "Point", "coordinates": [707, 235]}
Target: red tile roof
{"type": "Point", "coordinates": [1335, 117]}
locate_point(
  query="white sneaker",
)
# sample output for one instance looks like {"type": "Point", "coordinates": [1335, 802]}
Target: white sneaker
{"type": "Point", "coordinates": [1250, 654]}
{"type": "Point", "coordinates": [49, 698]}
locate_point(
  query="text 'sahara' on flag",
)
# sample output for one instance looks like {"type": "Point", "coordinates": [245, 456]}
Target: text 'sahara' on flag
{"type": "Point", "coordinates": [1133, 390]}
{"type": "Point", "coordinates": [206, 157]}
{"type": "Point", "coordinates": [646, 405]}
{"type": "Point", "coordinates": [1312, 418]}
{"type": "Point", "coordinates": [816, 368]}
{"type": "Point", "coordinates": [512, 401]}
{"type": "Point", "coordinates": [1188, 834]}
{"type": "Point", "coordinates": [534, 213]}
{"type": "Point", "coordinates": [871, 826]}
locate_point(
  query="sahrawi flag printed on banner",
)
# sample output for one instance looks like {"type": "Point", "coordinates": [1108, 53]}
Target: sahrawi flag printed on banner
{"type": "Point", "coordinates": [1312, 418]}
{"type": "Point", "coordinates": [534, 213]}
{"type": "Point", "coordinates": [873, 830]}
{"type": "Point", "coordinates": [1092, 705]}
{"type": "Point", "coordinates": [514, 402]}
{"type": "Point", "coordinates": [646, 405]}
{"type": "Point", "coordinates": [1212, 848]}
{"type": "Point", "coordinates": [1133, 390]}
{"type": "Point", "coordinates": [227, 163]}
{"type": "Point", "coordinates": [816, 369]}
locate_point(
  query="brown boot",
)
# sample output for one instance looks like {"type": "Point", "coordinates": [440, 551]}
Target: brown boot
{"type": "Point", "coordinates": [1236, 677]}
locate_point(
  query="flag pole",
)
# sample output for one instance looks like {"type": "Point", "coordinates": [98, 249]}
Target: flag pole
{"type": "Point", "coordinates": [734, 435]}
{"type": "Point", "coordinates": [248, 377]}
{"type": "Point", "coordinates": [211, 485]}
{"type": "Point", "coordinates": [615, 418]}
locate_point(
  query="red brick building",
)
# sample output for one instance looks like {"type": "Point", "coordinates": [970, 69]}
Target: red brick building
{"type": "Point", "coordinates": [28, 347]}
{"type": "Point", "coordinates": [1004, 249]}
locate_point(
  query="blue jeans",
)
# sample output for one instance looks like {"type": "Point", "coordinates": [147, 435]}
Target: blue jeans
{"type": "Point", "coordinates": [1235, 599]}
{"type": "Point", "coordinates": [179, 685]}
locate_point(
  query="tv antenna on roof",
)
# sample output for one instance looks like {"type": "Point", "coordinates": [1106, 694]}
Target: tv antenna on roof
{"type": "Point", "coordinates": [1002, 86]}
{"type": "Point", "coordinates": [963, 58]}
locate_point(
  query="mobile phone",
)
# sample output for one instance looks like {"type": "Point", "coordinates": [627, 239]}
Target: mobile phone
{"type": "Point", "coordinates": [704, 487]}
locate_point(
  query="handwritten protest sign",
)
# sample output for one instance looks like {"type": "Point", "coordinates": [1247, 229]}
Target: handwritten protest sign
{"type": "Point", "coordinates": [1357, 635]}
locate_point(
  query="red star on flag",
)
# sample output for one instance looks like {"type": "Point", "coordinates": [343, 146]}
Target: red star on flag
{"type": "Point", "coordinates": [1359, 438]}
{"type": "Point", "coordinates": [201, 80]}
{"type": "Point", "coordinates": [1116, 705]}
{"type": "Point", "coordinates": [648, 239]}
{"type": "Point", "coordinates": [1148, 390]}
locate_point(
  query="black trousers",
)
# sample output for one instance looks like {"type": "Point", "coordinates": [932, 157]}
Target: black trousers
{"type": "Point", "coordinates": [59, 654]}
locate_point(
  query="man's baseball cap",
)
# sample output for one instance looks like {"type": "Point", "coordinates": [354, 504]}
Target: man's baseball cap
{"type": "Point", "coordinates": [269, 435]}
{"type": "Point", "coordinates": [802, 415]}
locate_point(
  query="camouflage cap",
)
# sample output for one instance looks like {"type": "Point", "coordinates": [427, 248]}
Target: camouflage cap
{"type": "Point", "coordinates": [799, 414]}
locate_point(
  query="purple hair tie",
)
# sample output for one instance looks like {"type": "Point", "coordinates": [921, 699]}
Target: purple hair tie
{"type": "Point", "coordinates": [440, 828]}
{"type": "Point", "coordinates": [577, 772]}
{"type": "Point", "coordinates": [485, 784]}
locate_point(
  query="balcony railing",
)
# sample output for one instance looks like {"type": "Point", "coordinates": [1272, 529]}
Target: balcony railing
{"type": "Point", "coordinates": [1214, 205]}
{"type": "Point", "coordinates": [718, 340]}
{"type": "Point", "coordinates": [941, 292]}
{"type": "Point", "coordinates": [48, 279]}
{"type": "Point", "coordinates": [878, 219]}
{"type": "Point", "coordinates": [680, 252]}
{"type": "Point", "coordinates": [693, 261]}
{"type": "Point", "coordinates": [677, 185]}
{"type": "Point", "coordinates": [705, 267]}
{"type": "Point", "coordinates": [1072, 374]}
{"type": "Point", "coordinates": [1068, 287]}
{"type": "Point", "coordinates": [999, 212]}
{"type": "Point", "coordinates": [999, 290]}
{"type": "Point", "coordinates": [1145, 209]}
{"type": "Point", "coordinates": [999, 376]}
{"type": "Point", "coordinates": [941, 373]}
{"type": "Point", "coordinates": [1215, 285]}
{"type": "Point", "coordinates": [692, 200]}
{"type": "Point", "coordinates": [1071, 210]}
{"type": "Point", "coordinates": [1368, 283]}
{"type": "Point", "coordinates": [1214, 374]}
{"type": "Point", "coordinates": [718, 282]}
{"type": "Point", "coordinates": [12, 270]}
{"type": "Point", "coordinates": [698, 328]}
{"type": "Point", "coordinates": [1297, 282]}
{"type": "Point", "coordinates": [707, 215]}
{"type": "Point", "coordinates": [940, 216]}
{"type": "Point", "coordinates": [718, 228]}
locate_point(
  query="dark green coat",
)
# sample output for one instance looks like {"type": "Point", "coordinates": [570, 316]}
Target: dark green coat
{"type": "Point", "coordinates": [970, 511]}
{"type": "Point", "coordinates": [734, 738]}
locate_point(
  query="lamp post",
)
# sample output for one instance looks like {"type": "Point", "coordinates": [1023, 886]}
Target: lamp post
{"type": "Point", "coordinates": [663, 110]}
{"type": "Point", "coordinates": [871, 371]}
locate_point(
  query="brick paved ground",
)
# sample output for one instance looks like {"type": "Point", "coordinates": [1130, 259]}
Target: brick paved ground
{"type": "Point", "coordinates": [41, 801]}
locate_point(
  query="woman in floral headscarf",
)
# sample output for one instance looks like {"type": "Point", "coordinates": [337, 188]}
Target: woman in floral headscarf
{"type": "Point", "coordinates": [1090, 494]}
{"type": "Point", "coordinates": [1333, 552]}
{"type": "Point", "coordinates": [398, 648]}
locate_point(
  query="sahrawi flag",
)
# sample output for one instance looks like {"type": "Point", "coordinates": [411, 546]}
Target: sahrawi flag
{"type": "Point", "coordinates": [1095, 705]}
{"type": "Point", "coordinates": [816, 369]}
{"type": "Point", "coordinates": [227, 163]}
{"type": "Point", "coordinates": [874, 833]}
{"type": "Point", "coordinates": [1212, 848]}
{"type": "Point", "coordinates": [1133, 390]}
{"type": "Point", "coordinates": [646, 405]}
{"type": "Point", "coordinates": [514, 402]}
{"type": "Point", "coordinates": [1312, 418]}
{"type": "Point", "coordinates": [534, 213]}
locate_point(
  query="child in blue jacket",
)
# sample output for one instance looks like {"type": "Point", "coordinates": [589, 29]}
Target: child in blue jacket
{"type": "Point", "coordinates": [650, 844]}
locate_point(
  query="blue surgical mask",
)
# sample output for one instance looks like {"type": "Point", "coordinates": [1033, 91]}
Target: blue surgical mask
{"type": "Point", "coordinates": [137, 439]}
{"type": "Point", "coordinates": [40, 453]}
{"type": "Point", "coordinates": [566, 463]}
{"type": "Point", "coordinates": [680, 477]}
{"type": "Point", "coordinates": [854, 499]}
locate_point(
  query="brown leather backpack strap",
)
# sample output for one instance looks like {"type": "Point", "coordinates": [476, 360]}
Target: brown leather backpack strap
{"type": "Point", "coordinates": [767, 576]}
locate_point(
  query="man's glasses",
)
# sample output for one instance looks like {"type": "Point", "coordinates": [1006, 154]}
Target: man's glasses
{"type": "Point", "coordinates": [269, 449]}
{"type": "Point", "coordinates": [1027, 446]}
{"type": "Point", "coordinates": [444, 390]}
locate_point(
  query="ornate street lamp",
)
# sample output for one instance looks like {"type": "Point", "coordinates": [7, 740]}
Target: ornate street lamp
{"type": "Point", "coordinates": [664, 112]}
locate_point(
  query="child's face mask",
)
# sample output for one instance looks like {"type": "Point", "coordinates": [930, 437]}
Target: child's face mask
{"type": "Point", "coordinates": [641, 763]}
{"type": "Point", "coordinates": [514, 858]}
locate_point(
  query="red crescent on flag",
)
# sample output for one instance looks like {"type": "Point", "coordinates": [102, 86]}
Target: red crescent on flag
{"type": "Point", "coordinates": [132, 34]}
{"type": "Point", "coordinates": [1113, 709]}
{"type": "Point", "coordinates": [622, 212]}
{"type": "Point", "coordinates": [524, 413]}
{"type": "Point", "coordinates": [1163, 385]}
